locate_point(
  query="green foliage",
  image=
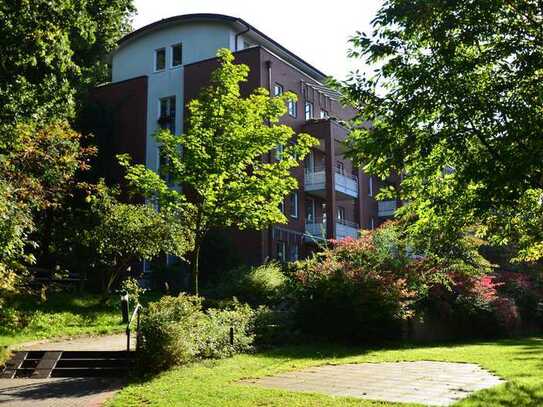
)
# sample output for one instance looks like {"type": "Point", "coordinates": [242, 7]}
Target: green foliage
{"type": "Point", "coordinates": [363, 289]}
{"type": "Point", "coordinates": [177, 331]}
{"type": "Point", "coordinates": [256, 285]}
{"type": "Point", "coordinates": [54, 50]}
{"type": "Point", "coordinates": [132, 287]}
{"type": "Point", "coordinates": [219, 158]}
{"type": "Point", "coordinates": [25, 318]}
{"type": "Point", "coordinates": [127, 233]}
{"type": "Point", "coordinates": [455, 105]}
{"type": "Point", "coordinates": [36, 175]}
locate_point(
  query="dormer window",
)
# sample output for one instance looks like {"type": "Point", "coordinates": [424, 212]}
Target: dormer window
{"type": "Point", "coordinates": [177, 55]}
{"type": "Point", "coordinates": [160, 59]}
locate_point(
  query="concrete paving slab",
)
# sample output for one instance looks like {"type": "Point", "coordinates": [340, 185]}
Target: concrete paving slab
{"type": "Point", "coordinates": [424, 382]}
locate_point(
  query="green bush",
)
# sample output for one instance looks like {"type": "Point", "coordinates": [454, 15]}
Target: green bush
{"type": "Point", "coordinates": [255, 285]}
{"type": "Point", "coordinates": [360, 289]}
{"type": "Point", "coordinates": [177, 331]}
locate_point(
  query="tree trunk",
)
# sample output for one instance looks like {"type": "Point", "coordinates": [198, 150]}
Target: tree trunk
{"type": "Point", "coordinates": [195, 268]}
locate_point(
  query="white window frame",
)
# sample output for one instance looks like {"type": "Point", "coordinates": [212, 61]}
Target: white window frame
{"type": "Point", "coordinates": [294, 205]}
{"type": "Point", "coordinates": [155, 60]}
{"type": "Point", "coordinates": [279, 150]}
{"type": "Point", "coordinates": [310, 163]}
{"type": "Point", "coordinates": [169, 99]}
{"type": "Point", "coordinates": [313, 207]}
{"type": "Point", "coordinates": [309, 110]}
{"type": "Point", "coordinates": [172, 66]}
{"type": "Point", "coordinates": [324, 114]}
{"type": "Point", "coordinates": [340, 213]}
{"type": "Point", "coordinates": [370, 186]}
{"type": "Point", "coordinates": [292, 106]}
{"type": "Point", "coordinates": [340, 168]}
{"type": "Point", "coordinates": [278, 89]}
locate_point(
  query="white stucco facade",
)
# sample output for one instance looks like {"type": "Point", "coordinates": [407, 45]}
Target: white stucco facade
{"type": "Point", "coordinates": [200, 41]}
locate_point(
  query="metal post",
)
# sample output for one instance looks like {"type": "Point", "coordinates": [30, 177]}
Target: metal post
{"type": "Point", "coordinates": [125, 308]}
{"type": "Point", "coordinates": [232, 335]}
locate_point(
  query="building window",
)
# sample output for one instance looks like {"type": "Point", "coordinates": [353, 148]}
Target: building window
{"type": "Point", "coordinates": [279, 152]}
{"type": "Point", "coordinates": [177, 55]}
{"type": "Point", "coordinates": [281, 249]}
{"type": "Point", "coordinates": [294, 205]}
{"type": "Point", "coordinates": [166, 117]}
{"type": "Point", "coordinates": [278, 90]}
{"type": "Point", "coordinates": [282, 206]}
{"type": "Point", "coordinates": [310, 210]}
{"type": "Point", "coordinates": [293, 254]}
{"type": "Point", "coordinates": [308, 110]}
{"type": "Point", "coordinates": [340, 213]}
{"type": "Point", "coordinates": [340, 168]}
{"type": "Point", "coordinates": [370, 186]}
{"type": "Point", "coordinates": [160, 59]}
{"type": "Point", "coordinates": [324, 114]}
{"type": "Point", "coordinates": [292, 107]}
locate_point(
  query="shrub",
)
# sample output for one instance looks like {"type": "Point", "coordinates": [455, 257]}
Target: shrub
{"type": "Point", "coordinates": [177, 331]}
{"type": "Point", "coordinates": [275, 327]}
{"type": "Point", "coordinates": [132, 287]}
{"type": "Point", "coordinates": [361, 289]}
{"type": "Point", "coordinates": [255, 285]}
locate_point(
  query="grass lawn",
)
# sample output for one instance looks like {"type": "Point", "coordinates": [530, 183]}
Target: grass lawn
{"type": "Point", "coordinates": [61, 315]}
{"type": "Point", "coordinates": [213, 383]}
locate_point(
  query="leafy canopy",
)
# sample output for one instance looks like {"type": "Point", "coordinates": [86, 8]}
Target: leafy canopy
{"type": "Point", "coordinates": [126, 233]}
{"type": "Point", "coordinates": [220, 160]}
{"type": "Point", "coordinates": [456, 102]}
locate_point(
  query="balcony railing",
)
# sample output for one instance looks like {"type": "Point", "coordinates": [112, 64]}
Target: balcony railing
{"type": "Point", "coordinates": [316, 229]}
{"type": "Point", "coordinates": [386, 208]}
{"type": "Point", "coordinates": [316, 181]}
{"type": "Point", "coordinates": [347, 184]}
{"type": "Point", "coordinates": [345, 228]}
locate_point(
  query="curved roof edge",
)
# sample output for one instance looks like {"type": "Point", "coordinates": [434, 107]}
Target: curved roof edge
{"type": "Point", "coordinates": [216, 17]}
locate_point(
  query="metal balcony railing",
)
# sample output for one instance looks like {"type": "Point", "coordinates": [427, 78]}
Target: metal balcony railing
{"type": "Point", "coordinates": [386, 208]}
{"type": "Point", "coordinates": [316, 181]}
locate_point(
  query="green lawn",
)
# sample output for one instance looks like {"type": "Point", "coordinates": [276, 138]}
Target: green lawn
{"type": "Point", "coordinates": [61, 315]}
{"type": "Point", "coordinates": [213, 383]}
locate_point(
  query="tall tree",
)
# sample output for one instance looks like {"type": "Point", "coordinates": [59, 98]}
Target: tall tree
{"type": "Point", "coordinates": [219, 162]}
{"type": "Point", "coordinates": [456, 103]}
{"type": "Point", "coordinates": [53, 50]}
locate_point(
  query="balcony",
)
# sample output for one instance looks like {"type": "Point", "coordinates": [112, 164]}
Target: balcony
{"type": "Point", "coordinates": [386, 209]}
{"type": "Point", "coordinates": [344, 229]}
{"type": "Point", "coordinates": [315, 181]}
{"type": "Point", "coordinates": [316, 230]}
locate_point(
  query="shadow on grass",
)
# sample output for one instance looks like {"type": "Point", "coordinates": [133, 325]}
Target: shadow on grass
{"type": "Point", "coordinates": [509, 395]}
{"type": "Point", "coordinates": [325, 350]}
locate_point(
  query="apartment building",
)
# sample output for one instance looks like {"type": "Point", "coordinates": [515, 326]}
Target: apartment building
{"type": "Point", "coordinates": [157, 69]}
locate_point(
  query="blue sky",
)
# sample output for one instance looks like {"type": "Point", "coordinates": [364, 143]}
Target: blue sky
{"type": "Point", "coordinates": [315, 30]}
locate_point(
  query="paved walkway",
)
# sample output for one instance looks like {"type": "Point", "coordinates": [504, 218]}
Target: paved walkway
{"type": "Point", "coordinates": [106, 342]}
{"type": "Point", "coordinates": [64, 392]}
{"type": "Point", "coordinates": [430, 383]}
